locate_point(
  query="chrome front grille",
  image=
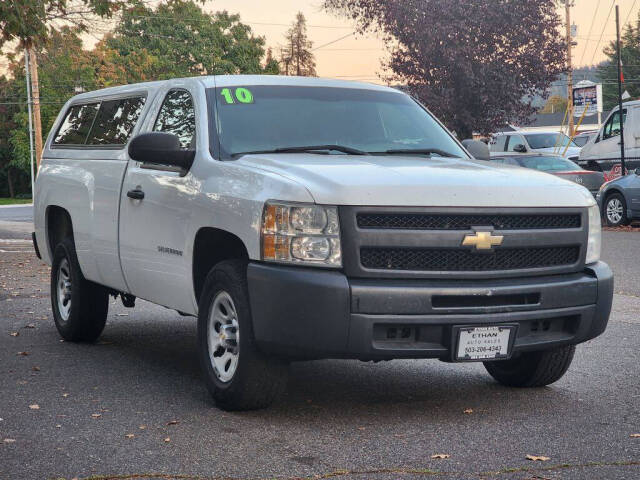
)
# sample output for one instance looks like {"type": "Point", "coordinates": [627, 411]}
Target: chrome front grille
{"type": "Point", "coordinates": [427, 242]}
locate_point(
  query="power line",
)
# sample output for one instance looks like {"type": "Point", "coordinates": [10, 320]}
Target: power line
{"type": "Point", "coordinates": [590, 28]}
{"type": "Point", "coordinates": [602, 33]}
{"type": "Point", "coordinates": [631, 10]}
{"type": "Point", "coordinates": [333, 41]}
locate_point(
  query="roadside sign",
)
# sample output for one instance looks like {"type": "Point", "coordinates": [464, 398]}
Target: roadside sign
{"type": "Point", "coordinates": [614, 173]}
{"type": "Point", "coordinates": [587, 95]}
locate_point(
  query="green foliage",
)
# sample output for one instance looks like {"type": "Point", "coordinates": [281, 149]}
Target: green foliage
{"type": "Point", "coordinates": [608, 71]}
{"type": "Point", "coordinates": [177, 39]}
{"type": "Point", "coordinates": [297, 56]}
{"type": "Point", "coordinates": [555, 104]}
{"type": "Point", "coordinates": [30, 21]}
{"type": "Point", "coordinates": [181, 40]}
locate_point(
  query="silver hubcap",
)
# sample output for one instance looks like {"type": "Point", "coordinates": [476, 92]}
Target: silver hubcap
{"type": "Point", "coordinates": [614, 210]}
{"type": "Point", "coordinates": [64, 289]}
{"type": "Point", "coordinates": [223, 337]}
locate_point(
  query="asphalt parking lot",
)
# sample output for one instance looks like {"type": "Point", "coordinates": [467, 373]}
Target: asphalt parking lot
{"type": "Point", "coordinates": [133, 405]}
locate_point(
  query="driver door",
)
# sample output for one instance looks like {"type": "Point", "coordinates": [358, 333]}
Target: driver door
{"type": "Point", "coordinates": [153, 229]}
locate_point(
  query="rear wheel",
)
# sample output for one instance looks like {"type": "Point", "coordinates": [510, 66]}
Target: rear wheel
{"type": "Point", "coordinates": [533, 369]}
{"type": "Point", "coordinates": [237, 374]}
{"type": "Point", "coordinates": [615, 210]}
{"type": "Point", "coordinates": [79, 306]}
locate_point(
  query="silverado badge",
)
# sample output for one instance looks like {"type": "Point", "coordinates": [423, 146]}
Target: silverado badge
{"type": "Point", "coordinates": [482, 240]}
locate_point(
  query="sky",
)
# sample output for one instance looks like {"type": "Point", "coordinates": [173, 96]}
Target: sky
{"type": "Point", "coordinates": [358, 57]}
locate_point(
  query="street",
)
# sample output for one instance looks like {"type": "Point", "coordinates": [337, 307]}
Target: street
{"type": "Point", "coordinates": [134, 406]}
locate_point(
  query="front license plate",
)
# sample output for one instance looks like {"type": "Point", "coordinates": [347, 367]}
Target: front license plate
{"type": "Point", "coordinates": [484, 343]}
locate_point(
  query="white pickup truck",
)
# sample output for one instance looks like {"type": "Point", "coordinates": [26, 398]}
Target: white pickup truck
{"type": "Point", "coordinates": [308, 218]}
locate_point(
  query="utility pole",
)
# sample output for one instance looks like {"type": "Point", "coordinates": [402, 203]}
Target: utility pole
{"type": "Point", "coordinates": [35, 92]}
{"type": "Point", "coordinates": [28, 78]}
{"type": "Point", "coordinates": [620, 112]}
{"type": "Point", "coordinates": [567, 7]}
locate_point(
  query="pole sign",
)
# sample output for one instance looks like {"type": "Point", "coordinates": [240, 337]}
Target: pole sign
{"type": "Point", "coordinates": [587, 95]}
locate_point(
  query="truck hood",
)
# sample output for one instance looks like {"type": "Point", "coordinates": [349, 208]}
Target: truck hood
{"type": "Point", "coordinates": [419, 181]}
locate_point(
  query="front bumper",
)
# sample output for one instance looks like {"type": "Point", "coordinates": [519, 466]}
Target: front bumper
{"type": "Point", "coordinates": [312, 313]}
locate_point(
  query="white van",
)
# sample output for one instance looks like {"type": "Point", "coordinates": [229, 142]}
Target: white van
{"type": "Point", "coordinates": [549, 141]}
{"type": "Point", "coordinates": [604, 148]}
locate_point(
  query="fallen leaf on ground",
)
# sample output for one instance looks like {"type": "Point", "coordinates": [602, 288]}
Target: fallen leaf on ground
{"type": "Point", "coordinates": [468, 410]}
{"type": "Point", "coordinates": [173, 422]}
{"type": "Point", "coordinates": [35, 406]}
{"type": "Point", "coordinates": [167, 440]}
{"type": "Point", "coordinates": [142, 427]}
{"type": "Point", "coordinates": [58, 426]}
{"type": "Point", "coordinates": [35, 368]}
{"type": "Point", "coordinates": [440, 456]}
{"type": "Point", "coordinates": [23, 354]}
{"type": "Point", "coordinates": [65, 395]}
{"type": "Point", "coordinates": [129, 435]}
{"type": "Point", "coordinates": [9, 440]}
{"type": "Point", "coordinates": [30, 325]}
{"type": "Point", "coordinates": [14, 334]}
{"type": "Point", "coordinates": [635, 435]}
{"type": "Point", "coordinates": [96, 415]}
{"type": "Point", "coordinates": [537, 458]}
{"type": "Point", "coordinates": [122, 314]}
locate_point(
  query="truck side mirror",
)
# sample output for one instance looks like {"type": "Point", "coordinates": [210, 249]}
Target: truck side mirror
{"type": "Point", "coordinates": [160, 148]}
{"type": "Point", "coordinates": [520, 148]}
{"type": "Point", "coordinates": [637, 171]}
{"type": "Point", "coordinates": [478, 150]}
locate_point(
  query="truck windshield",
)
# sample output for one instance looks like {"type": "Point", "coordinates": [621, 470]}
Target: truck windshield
{"type": "Point", "coordinates": [548, 140]}
{"type": "Point", "coordinates": [268, 118]}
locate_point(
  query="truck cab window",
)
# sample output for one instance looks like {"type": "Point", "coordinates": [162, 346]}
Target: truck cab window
{"type": "Point", "coordinates": [76, 125]}
{"type": "Point", "coordinates": [115, 121]}
{"type": "Point", "coordinates": [612, 127]}
{"type": "Point", "coordinates": [177, 115]}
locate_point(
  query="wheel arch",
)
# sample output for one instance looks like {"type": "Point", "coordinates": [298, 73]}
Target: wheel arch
{"type": "Point", "coordinates": [210, 247]}
{"type": "Point", "coordinates": [59, 226]}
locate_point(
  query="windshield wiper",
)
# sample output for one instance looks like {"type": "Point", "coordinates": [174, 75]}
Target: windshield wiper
{"type": "Point", "coordinates": [417, 151]}
{"type": "Point", "coordinates": [306, 149]}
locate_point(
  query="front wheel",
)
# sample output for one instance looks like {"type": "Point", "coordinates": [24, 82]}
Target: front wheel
{"type": "Point", "coordinates": [237, 374]}
{"type": "Point", "coordinates": [615, 210]}
{"type": "Point", "coordinates": [533, 369]}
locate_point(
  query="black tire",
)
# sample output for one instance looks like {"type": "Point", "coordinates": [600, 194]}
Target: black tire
{"type": "Point", "coordinates": [257, 379]}
{"type": "Point", "coordinates": [614, 222]}
{"type": "Point", "coordinates": [534, 369]}
{"type": "Point", "coordinates": [89, 302]}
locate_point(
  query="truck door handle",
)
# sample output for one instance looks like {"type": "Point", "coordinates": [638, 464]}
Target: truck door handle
{"type": "Point", "coordinates": [136, 194]}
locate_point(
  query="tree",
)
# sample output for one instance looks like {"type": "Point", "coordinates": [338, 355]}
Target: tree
{"type": "Point", "coordinates": [182, 40]}
{"type": "Point", "coordinates": [271, 65]}
{"type": "Point", "coordinates": [470, 61]}
{"type": "Point", "coordinates": [296, 56]}
{"type": "Point", "coordinates": [608, 71]}
{"type": "Point", "coordinates": [30, 22]}
{"type": "Point", "coordinates": [555, 104]}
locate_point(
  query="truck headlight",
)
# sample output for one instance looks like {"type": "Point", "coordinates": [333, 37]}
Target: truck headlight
{"type": "Point", "coordinates": [304, 234]}
{"type": "Point", "coordinates": [595, 235]}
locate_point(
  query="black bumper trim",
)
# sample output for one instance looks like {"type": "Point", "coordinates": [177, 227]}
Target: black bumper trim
{"type": "Point", "coordinates": [314, 313]}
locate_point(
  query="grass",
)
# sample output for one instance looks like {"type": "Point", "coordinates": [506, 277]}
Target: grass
{"type": "Point", "coordinates": [14, 201]}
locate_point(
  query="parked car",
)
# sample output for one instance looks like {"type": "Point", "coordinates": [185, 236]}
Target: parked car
{"type": "Point", "coordinates": [556, 165]}
{"type": "Point", "coordinates": [619, 199]}
{"type": "Point", "coordinates": [303, 218]}
{"type": "Point", "coordinates": [603, 150]}
{"type": "Point", "coordinates": [581, 139]}
{"type": "Point", "coordinates": [534, 142]}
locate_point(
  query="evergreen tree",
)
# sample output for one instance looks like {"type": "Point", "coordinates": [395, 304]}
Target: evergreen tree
{"type": "Point", "coordinates": [296, 57]}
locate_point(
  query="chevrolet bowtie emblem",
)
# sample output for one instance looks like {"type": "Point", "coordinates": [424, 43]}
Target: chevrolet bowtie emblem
{"type": "Point", "coordinates": [482, 240]}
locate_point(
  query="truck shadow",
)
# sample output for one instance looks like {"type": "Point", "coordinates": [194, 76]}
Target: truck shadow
{"type": "Point", "coordinates": [162, 354]}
